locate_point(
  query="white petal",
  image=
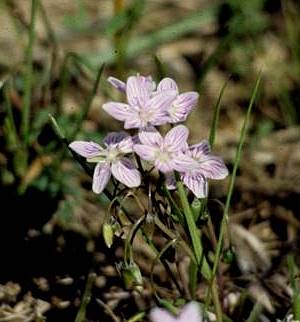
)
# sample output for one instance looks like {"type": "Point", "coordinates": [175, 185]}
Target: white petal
{"type": "Point", "coordinates": [183, 163]}
{"type": "Point", "coordinates": [190, 313]}
{"type": "Point", "coordinates": [161, 315]}
{"type": "Point", "coordinates": [182, 106]}
{"type": "Point", "coordinates": [125, 171]}
{"type": "Point", "coordinates": [161, 101]}
{"type": "Point", "coordinates": [101, 177]}
{"type": "Point", "coordinates": [145, 152]}
{"type": "Point", "coordinates": [212, 167]}
{"type": "Point", "coordinates": [197, 184]}
{"type": "Point", "coordinates": [126, 145]}
{"type": "Point", "coordinates": [138, 90]}
{"type": "Point", "coordinates": [117, 110]}
{"type": "Point", "coordinates": [164, 166]}
{"type": "Point", "coordinates": [167, 84]}
{"type": "Point", "coordinates": [150, 136]}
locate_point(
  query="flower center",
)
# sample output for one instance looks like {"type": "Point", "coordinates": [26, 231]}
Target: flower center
{"type": "Point", "coordinates": [145, 115]}
{"type": "Point", "coordinates": [112, 154]}
{"type": "Point", "coordinates": [173, 110]}
{"type": "Point", "coordinates": [163, 155]}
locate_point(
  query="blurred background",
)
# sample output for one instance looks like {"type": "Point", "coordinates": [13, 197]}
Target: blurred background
{"type": "Point", "coordinates": [51, 53]}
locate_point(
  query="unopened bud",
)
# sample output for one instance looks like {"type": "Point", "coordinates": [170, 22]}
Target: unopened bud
{"type": "Point", "coordinates": [196, 208]}
{"type": "Point", "coordinates": [228, 256]}
{"type": "Point", "coordinates": [132, 277]}
{"type": "Point", "coordinates": [149, 225]}
{"type": "Point", "coordinates": [108, 234]}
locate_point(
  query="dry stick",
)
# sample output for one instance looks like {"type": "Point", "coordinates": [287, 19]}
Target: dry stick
{"type": "Point", "coordinates": [80, 317]}
{"type": "Point", "coordinates": [108, 310]}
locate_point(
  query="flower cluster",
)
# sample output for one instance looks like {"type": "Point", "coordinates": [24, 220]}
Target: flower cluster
{"type": "Point", "coordinates": [147, 107]}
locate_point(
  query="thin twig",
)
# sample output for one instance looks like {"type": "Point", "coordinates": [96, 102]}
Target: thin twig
{"type": "Point", "coordinates": [108, 310]}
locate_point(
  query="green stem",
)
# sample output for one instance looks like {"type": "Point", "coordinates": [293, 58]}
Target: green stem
{"type": "Point", "coordinates": [129, 240]}
{"type": "Point", "coordinates": [216, 300]}
{"type": "Point", "coordinates": [29, 75]}
{"type": "Point", "coordinates": [197, 246]}
{"type": "Point", "coordinates": [173, 204]}
{"type": "Point", "coordinates": [81, 315]}
{"type": "Point", "coordinates": [10, 116]}
{"type": "Point", "coordinates": [193, 231]}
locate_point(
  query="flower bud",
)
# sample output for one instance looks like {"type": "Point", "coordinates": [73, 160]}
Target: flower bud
{"type": "Point", "coordinates": [228, 256]}
{"type": "Point", "coordinates": [196, 208]}
{"type": "Point", "coordinates": [108, 234]}
{"type": "Point", "coordinates": [149, 225]}
{"type": "Point", "coordinates": [132, 277]}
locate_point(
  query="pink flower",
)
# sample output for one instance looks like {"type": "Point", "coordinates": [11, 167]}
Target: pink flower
{"type": "Point", "coordinates": [145, 107]}
{"type": "Point", "coordinates": [207, 166]}
{"type": "Point", "coordinates": [183, 103]}
{"type": "Point", "coordinates": [190, 313]}
{"type": "Point", "coordinates": [110, 160]}
{"type": "Point", "coordinates": [165, 153]}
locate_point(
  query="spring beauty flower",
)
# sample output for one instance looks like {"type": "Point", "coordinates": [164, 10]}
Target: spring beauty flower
{"type": "Point", "coordinates": [209, 166]}
{"type": "Point", "coordinates": [183, 103]}
{"type": "Point", "coordinates": [190, 313]}
{"type": "Point", "coordinates": [110, 160]}
{"type": "Point", "coordinates": [144, 107]}
{"type": "Point", "coordinates": [165, 153]}
{"type": "Point", "coordinates": [206, 166]}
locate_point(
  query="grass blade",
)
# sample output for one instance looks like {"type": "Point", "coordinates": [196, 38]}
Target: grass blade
{"type": "Point", "coordinates": [234, 171]}
{"type": "Point", "coordinates": [216, 117]}
{"type": "Point", "coordinates": [29, 75]}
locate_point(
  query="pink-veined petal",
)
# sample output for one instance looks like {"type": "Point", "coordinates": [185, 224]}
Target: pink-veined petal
{"type": "Point", "coordinates": [183, 163]}
{"type": "Point", "coordinates": [118, 84]}
{"type": "Point", "coordinates": [200, 149]}
{"type": "Point", "coordinates": [162, 315]}
{"type": "Point", "coordinates": [101, 176]}
{"type": "Point", "coordinates": [85, 149]}
{"type": "Point", "coordinates": [145, 152]}
{"type": "Point", "coordinates": [212, 167]}
{"type": "Point", "coordinates": [191, 312]}
{"type": "Point", "coordinates": [182, 106]}
{"type": "Point", "coordinates": [126, 145]}
{"type": "Point", "coordinates": [119, 111]}
{"type": "Point", "coordinates": [164, 166]}
{"type": "Point", "coordinates": [125, 171]}
{"type": "Point", "coordinates": [134, 121]}
{"type": "Point", "coordinates": [167, 84]}
{"type": "Point", "coordinates": [138, 90]}
{"type": "Point", "coordinates": [197, 184]}
{"type": "Point", "coordinates": [114, 138]}
{"type": "Point", "coordinates": [161, 101]}
{"type": "Point", "coordinates": [150, 136]}
{"type": "Point", "coordinates": [176, 138]}
{"type": "Point", "coordinates": [187, 101]}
